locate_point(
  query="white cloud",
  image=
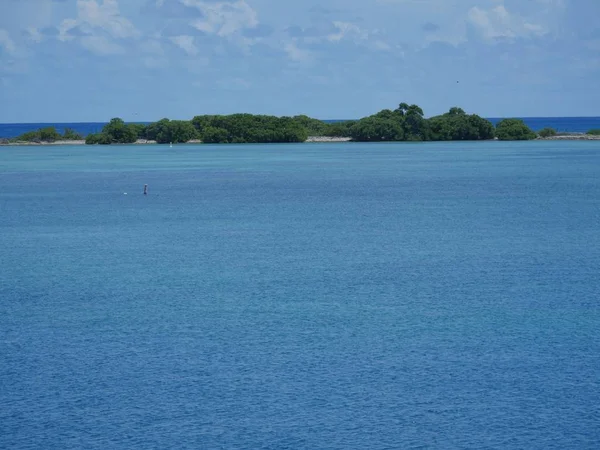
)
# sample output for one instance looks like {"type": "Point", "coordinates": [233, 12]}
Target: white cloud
{"type": "Point", "coordinates": [34, 34]}
{"type": "Point", "coordinates": [7, 43]}
{"type": "Point", "coordinates": [93, 16]}
{"type": "Point", "coordinates": [297, 54]}
{"type": "Point", "coordinates": [106, 16]}
{"type": "Point", "coordinates": [223, 18]}
{"type": "Point", "coordinates": [498, 22]}
{"type": "Point", "coordinates": [186, 43]}
{"type": "Point", "coordinates": [381, 45]}
{"type": "Point", "coordinates": [345, 29]}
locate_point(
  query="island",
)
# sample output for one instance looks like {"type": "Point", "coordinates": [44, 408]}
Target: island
{"type": "Point", "coordinates": [405, 123]}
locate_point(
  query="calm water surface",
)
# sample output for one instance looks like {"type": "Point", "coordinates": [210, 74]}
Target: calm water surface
{"type": "Point", "coordinates": [301, 296]}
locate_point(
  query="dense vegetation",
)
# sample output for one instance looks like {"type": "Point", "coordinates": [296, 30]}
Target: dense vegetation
{"type": "Point", "coordinates": [116, 132]}
{"type": "Point", "coordinates": [235, 128]}
{"type": "Point", "coordinates": [165, 131]}
{"type": "Point", "coordinates": [595, 132]}
{"type": "Point", "coordinates": [405, 123]}
{"type": "Point", "coordinates": [547, 132]}
{"type": "Point", "coordinates": [48, 134]}
{"type": "Point", "coordinates": [514, 130]}
{"type": "Point", "coordinates": [456, 125]}
{"type": "Point", "coordinates": [249, 128]}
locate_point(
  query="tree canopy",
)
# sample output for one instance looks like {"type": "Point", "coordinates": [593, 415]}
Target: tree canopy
{"type": "Point", "coordinates": [115, 132]}
{"type": "Point", "coordinates": [249, 128]}
{"type": "Point", "coordinates": [405, 123]}
{"type": "Point", "coordinates": [48, 134]}
{"type": "Point", "coordinates": [547, 132]}
{"type": "Point", "coordinates": [165, 131]}
{"type": "Point", "coordinates": [456, 125]}
{"type": "Point", "coordinates": [514, 130]}
{"type": "Point", "coordinates": [377, 129]}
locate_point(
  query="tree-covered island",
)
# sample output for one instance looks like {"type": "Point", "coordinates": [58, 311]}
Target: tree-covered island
{"type": "Point", "coordinates": [405, 123]}
{"type": "Point", "coordinates": [48, 135]}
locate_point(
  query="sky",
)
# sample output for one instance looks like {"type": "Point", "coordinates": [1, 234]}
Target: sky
{"type": "Point", "coordinates": [142, 60]}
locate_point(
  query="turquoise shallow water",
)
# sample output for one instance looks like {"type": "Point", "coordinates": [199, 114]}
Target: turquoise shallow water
{"type": "Point", "coordinates": [301, 296]}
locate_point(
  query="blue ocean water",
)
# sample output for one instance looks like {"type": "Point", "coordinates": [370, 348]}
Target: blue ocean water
{"type": "Point", "coordinates": [563, 124]}
{"type": "Point", "coordinates": [339, 296]}
{"type": "Point", "coordinates": [11, 130]}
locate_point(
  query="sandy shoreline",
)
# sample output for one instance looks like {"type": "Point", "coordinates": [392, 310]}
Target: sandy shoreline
{"type": "Point", "coordinates": [148, 142]}
{"type": "Point", "coordinates": [327, 139]}
{"type": "Point", "coordinates": [311, 139]}
{"type": "Point", "coordinates": [571, 137]}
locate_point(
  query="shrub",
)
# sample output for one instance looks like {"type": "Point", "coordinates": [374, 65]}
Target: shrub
{"type": "Point", "coordinates": [594, 132]}
{"type": "Point", "coordinates": [456, 125]}
{"type": "Point", "coordinates": [48, 134]}
{"type": "Point", "coordinates": [547, 132]}
{"type": "Point", "coordinates": [139, 129]}
{"type": "Point", "coordinates": [30, 136]}
{"type": "Point", "coordinates": [249, 128]}
{"type": "Point", "coordinates": [119, 132]}
{"type": "Point", "coordinates": [98, 138]}
{"type": "Point", "coordinates": [375, 129]}
{"type": "Point", "coordinates": [212, 135]}
{"type": "Point", "coordinates": [71, 135]}
{"type": "Point", "coordinates": [514, 130]}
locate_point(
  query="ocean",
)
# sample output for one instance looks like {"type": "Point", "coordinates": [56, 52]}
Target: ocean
{"type": "Point", "coordinates": [562, 124]}
{"type": "Point", "coordinates": [301, 296]}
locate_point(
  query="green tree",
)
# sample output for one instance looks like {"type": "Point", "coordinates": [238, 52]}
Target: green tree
{"type": "Point", "coordinates": [373, 129]}
{"type": "Point", "coordinates": [547, 132]}
{"type": "Point", "coordinates": [176, 131]}
{"type": "Point", "coordinates": [30, 136]}
{"type": "Point", "coordinates": [248, 128]}
{"type": "Point", "coordinates": [98, 138]}
{"type": "Point", "coordinates": [155, 128]}
{"type": "Point", "coordinates": [514, 130]}
{"type": "Point", "coordinates": [119, 132]}
{"type": "Point", "coordinates": [314, 127]}
{"type": "Point", "coordinates": [71, 135]}
{"type": "Point", "coordinates": [49, 134]}
{"type": "Point", "coordinates": [339, 129]}
{"type": "Point", "coordinates": [139, 129]}
{"type": "Point", "coordinates": [415, 126]}
{"type": "Point", "coordinates": [212, 135]}
{"type": "Point", "coordinates": [402, 109]}
{"type": "Point", "coordinates": [594, 132]}
{"type": "Point", "coordinates": [202, 122]}
{"type": "Point", "coordinates": [456, 111]}
{"type": "Point", "coordinates": [456, 125]}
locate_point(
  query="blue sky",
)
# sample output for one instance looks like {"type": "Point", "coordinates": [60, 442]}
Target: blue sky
{"type": "Point", "coordinates": [89, 60]}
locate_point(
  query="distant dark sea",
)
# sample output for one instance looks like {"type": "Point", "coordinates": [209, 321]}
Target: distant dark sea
{"type": "Point", "coordinates": [563, 124]}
